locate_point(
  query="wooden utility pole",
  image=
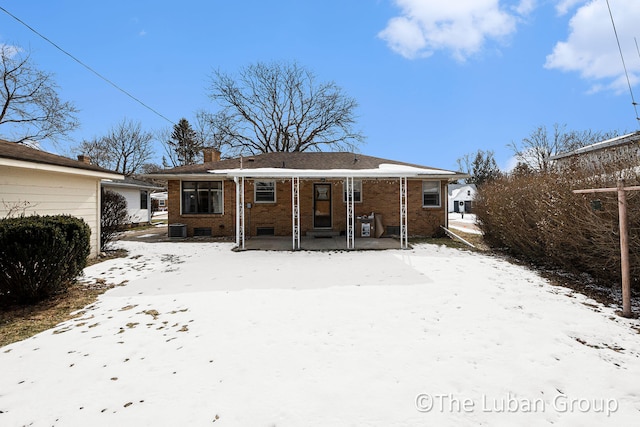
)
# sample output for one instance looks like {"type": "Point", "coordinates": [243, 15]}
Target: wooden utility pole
{"type": "Point", "coordinates": [624, 239]}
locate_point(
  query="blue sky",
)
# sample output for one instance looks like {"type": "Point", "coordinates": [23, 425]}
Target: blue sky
{"type": "Point", "coordinates": [434, 80]}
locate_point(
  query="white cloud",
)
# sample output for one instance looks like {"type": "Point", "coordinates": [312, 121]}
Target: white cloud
{"type": "Point", "coordinates": [9, 50]}
{"type": "Point", "coordinates": [461, 26]}
{"type": "Point", "coordinates": [564, 6]}
{"type": "Point", "coordinates": [591, 48]}
{"type": "Point", "coordinates": [525, 7]}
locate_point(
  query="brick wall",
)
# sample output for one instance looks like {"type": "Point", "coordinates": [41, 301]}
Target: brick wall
{"type": "Point", "coordinates": [380, 196]}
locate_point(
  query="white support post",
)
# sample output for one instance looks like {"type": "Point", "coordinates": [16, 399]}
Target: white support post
{"type": "Point", "coordinates": [350, 213]}
{"type": "Point", "coordinates": [404, 244]}
{"type": "Point", "coordinates": [295, 211]}
{"type": "Point", "coordinates": [239, 212]}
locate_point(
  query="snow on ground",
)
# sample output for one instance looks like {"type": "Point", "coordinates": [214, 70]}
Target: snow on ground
{"type": "Point", "coordinates": [200, 335]}
{"type": "Point", "coordinates": [466, 222]}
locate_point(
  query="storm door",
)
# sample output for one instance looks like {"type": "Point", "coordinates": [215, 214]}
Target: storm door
{"type": "Point", "coordinates": [321, 205]}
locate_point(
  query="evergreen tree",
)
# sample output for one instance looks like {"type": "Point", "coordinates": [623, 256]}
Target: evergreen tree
{"type": "Point", "coordinates": [183, 147]}
{"type": "Point", "coordinates": [482, 167]}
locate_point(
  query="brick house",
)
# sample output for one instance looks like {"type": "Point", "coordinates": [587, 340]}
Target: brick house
{"type": "Point", "coordinates": [307, 193]}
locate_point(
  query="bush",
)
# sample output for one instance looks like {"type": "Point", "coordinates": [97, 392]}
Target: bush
{"type": "Point", "coordinates": [537, 218]}
{"type": "Point", "coordinates": [40, 255]}
{"type": "Point", "coordinates": [113, 218]}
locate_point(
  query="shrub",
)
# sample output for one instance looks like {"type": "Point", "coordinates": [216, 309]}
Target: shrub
{"type": "Point", "coordinates": [537, 218]}
{"type": "Point", "coordinates": [113, 218]}
{"type": "Point", "coordinates": [40, 255]}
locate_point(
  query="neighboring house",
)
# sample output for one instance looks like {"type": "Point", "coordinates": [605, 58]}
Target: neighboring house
{"type": "Point", "coordinates": [307, 193]}
{"type": "Point", "coordinates": [137, 194]}
{"type": "Point", "coordinates": [163, 198]}
{"type": "Point", "coordinates": [603, 157]}
{"type": "Point", "coordinates": [34, 182]}
{"type": "Point", "coordinates": [461, 195]}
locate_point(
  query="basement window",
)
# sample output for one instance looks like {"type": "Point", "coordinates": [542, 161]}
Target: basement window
{"type": "Point", "coordinates": [265, 231]}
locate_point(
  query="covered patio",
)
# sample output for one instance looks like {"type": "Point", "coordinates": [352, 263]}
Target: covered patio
{"type": "Point", "coordinates": [401, 173]}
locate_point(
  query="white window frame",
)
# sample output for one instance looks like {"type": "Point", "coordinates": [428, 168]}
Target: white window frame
{"type": "Point", "coordinates": [357, 191]}
{"type": "Point", "coordinates": [430, 188]}
{"type": "Point", "coordinates": [256, 183]}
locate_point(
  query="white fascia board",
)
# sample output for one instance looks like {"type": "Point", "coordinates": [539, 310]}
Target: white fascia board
{"type": "Point", "coordinates": [180, 176]}
{"type": "Point", "coordinates": [109, 183]}
{"type": "Point", "coordinates": [59, 169]}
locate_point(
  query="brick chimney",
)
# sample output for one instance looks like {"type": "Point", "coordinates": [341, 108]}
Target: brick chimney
{"type": "Point", "coordinates": [211, 155]}
{"type": "Point", "coordinates": [84, 159]}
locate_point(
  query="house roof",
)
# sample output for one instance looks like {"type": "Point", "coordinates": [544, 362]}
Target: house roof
{"type": "Point", "coordinates": [20, 155]}
{"type": "Point", "coordinates": [308, 164]}
{"type": "Point", "coordinates": [129, 182]}
{"type": "Point", "coordinates": [613, 142]}
{"type": "Point", "coordinates": [457, 189]}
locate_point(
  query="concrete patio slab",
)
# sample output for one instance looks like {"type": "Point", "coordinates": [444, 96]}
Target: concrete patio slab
{"type": "Point", "coordinates": [271, 243]}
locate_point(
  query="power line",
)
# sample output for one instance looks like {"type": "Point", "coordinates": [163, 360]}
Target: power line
{"type": "Point", "coordinates": [615, 31]}
{"type": "Point", "coordinates": [86, 66]}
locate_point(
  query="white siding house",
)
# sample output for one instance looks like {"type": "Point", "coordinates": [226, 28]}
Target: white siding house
{"type": "Point", "coordinates": [461, 195]}
{"type": "Point", "coordinates": [602, 157]}
{"type": "Point", "coordinates": [138, 196]}
{"type": "Point", "coordinates": [162, 197]}
{"type": "Point", "coordinates": [33, 182]}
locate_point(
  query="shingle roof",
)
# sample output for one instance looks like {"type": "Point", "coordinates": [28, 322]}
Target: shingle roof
{"type": "Point", "coordinates": [15, 151]}
{"type": "Point", "coordinates": [132, 183]}
{"type": "Point", "coordinates": [295, 160]}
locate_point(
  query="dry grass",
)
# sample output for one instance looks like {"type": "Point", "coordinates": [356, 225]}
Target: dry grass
{"type": "Point", "coordinates": [475, 239]}
{"type": "Point", "coordinates": [20, 322]}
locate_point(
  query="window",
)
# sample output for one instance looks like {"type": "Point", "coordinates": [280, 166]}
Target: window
{"type": "Point", "coordinates": [144, 202]}
{"type": "Point", "coordinates": [431, 194]}
{"type": "Point", "coordinates": [202, 197]}
{"type": "Point", "coordinates": [357, 191]}
{"type": "Point", "coordinates": [265, 191]}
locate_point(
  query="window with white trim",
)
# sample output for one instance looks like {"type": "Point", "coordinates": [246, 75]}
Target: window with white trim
{"type": "Point", "coordinates": [202, 197]}
{"type": "Point", "coordinates": [265, 191]}
{"type": "Point", "coordinates": [431, 194]}
{"type": "Point", "coordinates": [357, 191]}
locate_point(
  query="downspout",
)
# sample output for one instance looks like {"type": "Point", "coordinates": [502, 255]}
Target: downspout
{"type": "Point", "coordinates": [239, 212]}
{"type": "Point", "coordinates": [446, 207]}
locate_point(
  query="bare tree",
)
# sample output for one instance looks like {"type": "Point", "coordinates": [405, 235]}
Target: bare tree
{"type": "Point", "coordinates": [536, 149]}
{"type": "Point", "coordinates": [30, 108]}
{"type": "Point", "coordinates": [280, 107]}
{"type": "Point", "coordinates": [125, 149]}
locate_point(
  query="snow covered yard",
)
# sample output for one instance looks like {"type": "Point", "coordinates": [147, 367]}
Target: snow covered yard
{"type": "Point", "coordinates": [200, 335]}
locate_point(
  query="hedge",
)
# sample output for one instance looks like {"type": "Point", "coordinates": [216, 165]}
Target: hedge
{"type": "Point", "coordinates": [40, 256]}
